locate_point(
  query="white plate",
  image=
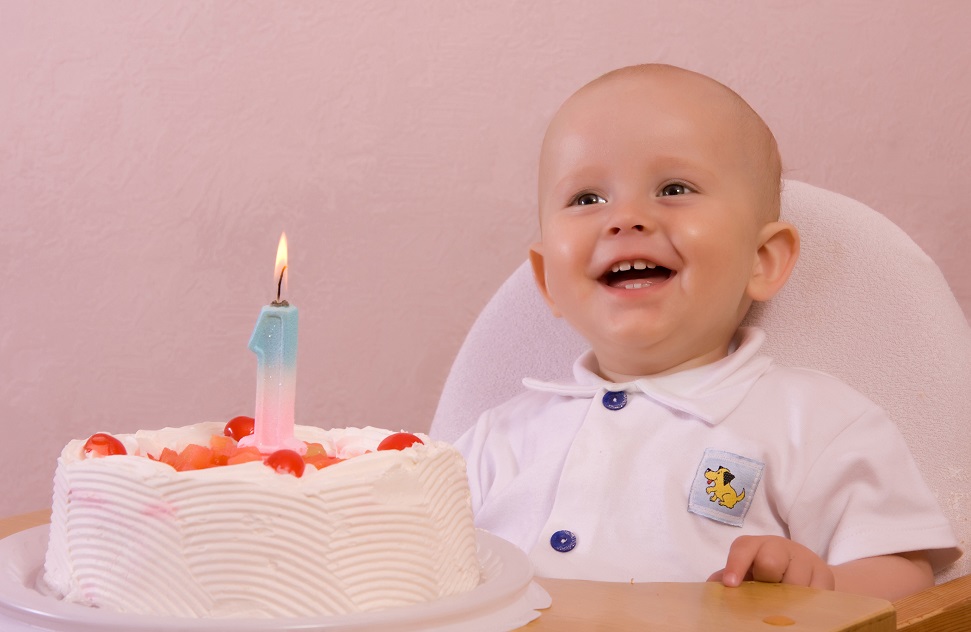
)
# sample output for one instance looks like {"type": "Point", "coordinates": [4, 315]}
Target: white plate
{"type": "Point", "coordinates": [506, 599]}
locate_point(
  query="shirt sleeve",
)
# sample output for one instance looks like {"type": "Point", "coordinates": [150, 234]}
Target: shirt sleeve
{"type": "Point", "coordinates": [864, 496]}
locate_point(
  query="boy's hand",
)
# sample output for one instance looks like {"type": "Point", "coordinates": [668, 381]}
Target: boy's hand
{"type": "Point", "coordinates": [774, 559]}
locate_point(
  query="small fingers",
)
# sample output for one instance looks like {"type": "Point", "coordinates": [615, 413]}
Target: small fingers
{"type": "Point", "coordinates": [775, 560]}
{"type": "Point", "coordinates": [741, 557]}
{"type": "Point", "coordinates": [798, 572]}
{"type": "Point", "coordinates": [823, 577]}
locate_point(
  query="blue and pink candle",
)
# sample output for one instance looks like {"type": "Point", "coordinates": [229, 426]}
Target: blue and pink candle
{"type": "Point", "coordinates": [274, 341]}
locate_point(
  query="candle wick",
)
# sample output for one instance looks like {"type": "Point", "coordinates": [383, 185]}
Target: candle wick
{"type": "Point", "coordinates": [279, 284]}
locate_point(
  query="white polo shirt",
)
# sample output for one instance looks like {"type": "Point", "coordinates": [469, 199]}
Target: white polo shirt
{"type": "Point", "coordinates": [652, 480]}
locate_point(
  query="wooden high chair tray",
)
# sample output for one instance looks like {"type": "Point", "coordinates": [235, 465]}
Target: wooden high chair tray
{"type": "Point", "coordinates": [582, 606]}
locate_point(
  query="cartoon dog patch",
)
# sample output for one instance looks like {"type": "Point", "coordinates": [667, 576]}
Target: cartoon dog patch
{"type": "Point", "coordinates": [720, 489]}
{"type": "Point", "coordinates": [724, 486]}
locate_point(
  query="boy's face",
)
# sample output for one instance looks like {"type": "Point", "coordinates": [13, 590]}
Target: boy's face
{"type": "Point", "coordinates": [651, 194]}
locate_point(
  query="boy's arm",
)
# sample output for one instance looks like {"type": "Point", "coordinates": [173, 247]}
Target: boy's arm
{"type": "Point", "coordinates": [780, 560]}
{"type": "Point", "coordinates": [890, 577]}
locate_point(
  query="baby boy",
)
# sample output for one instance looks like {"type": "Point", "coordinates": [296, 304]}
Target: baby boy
{"type": "Point", "coordinates": [678, 452]}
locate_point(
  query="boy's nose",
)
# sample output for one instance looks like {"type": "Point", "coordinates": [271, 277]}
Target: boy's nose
{"type": "Point", "coordinates": [616, 230]}
{"type": "Point", "coordinates": [630, 217]}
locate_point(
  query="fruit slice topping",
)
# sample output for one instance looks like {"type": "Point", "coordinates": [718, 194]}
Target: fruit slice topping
{"type": "Point", "coordinates": [224, 450]}
{"type": "Point", "coordinates": [399, 441]}
{"type": "Point", "coordinates": [193, 457]}
{"type": "Point", "coordinates": [103, 444]}
{"type": "Point", "coordinates": [239, 427]}
{"type": "Point", "coordinates": [286, 462]}
{"type": "Point", "coordinates": [317, 456]}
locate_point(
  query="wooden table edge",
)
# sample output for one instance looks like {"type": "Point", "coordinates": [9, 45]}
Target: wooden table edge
{"type": "Point", "coordinates": [15, 524]}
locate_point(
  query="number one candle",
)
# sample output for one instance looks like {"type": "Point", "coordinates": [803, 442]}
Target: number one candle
{"type": "Point", "coordinates": [274, 341]}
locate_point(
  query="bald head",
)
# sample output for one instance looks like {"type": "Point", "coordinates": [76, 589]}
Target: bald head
{"type": "Point", "coordinates": [651, 88]}
{"type": "Point", "coordinates": [663, 167]}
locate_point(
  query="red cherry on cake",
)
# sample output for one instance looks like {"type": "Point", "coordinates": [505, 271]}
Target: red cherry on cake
{"type": "Point", "coordinates": [286, 462]}
{"type": "Point", "coordinates": [239, 427]}
{"type": "Point", "coordinates": [103, 444]}
{"type": "Point", "coordinates": [399, 441]}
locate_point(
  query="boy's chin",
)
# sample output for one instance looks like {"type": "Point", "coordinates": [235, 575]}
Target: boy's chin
{"type": "Point", "coordinates": [642, 356]}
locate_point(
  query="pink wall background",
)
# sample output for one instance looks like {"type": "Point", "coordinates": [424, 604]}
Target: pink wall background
{"type": "Point", "coordinates": [152, 152]}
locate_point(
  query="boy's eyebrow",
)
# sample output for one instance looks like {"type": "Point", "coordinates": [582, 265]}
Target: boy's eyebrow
{"type": "Point", "coordinates": [665, 166]}
{"type": "Point", "coordinates": [573, 182]}
{"type": "Point", "coordinates": [697, 168]}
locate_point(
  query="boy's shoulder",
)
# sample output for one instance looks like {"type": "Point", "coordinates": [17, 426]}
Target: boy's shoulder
{"type": "Point", "coordinates": [810, 382]}
{"type": "Point", "coordinates": [820, 403]}
{"type": "Point", "coordinates": [770, 385]}
{"type": "Point", "coordinates": [526, 404]}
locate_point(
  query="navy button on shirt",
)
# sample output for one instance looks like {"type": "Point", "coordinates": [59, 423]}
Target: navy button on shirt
{"type": "Point", "coordinates": [615, 400]}
{"type": "Point", "coordinates": [563, 541]}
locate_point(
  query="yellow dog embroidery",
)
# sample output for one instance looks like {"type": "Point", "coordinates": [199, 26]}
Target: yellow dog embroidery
{"type": "Point", "coordinates": [720, 489]}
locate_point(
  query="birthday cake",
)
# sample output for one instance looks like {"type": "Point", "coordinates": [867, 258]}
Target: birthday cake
{"type": "Point", "coordinates": [184, 522]}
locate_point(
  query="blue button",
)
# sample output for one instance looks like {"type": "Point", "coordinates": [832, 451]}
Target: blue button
{"type": "Point", "coordinates": [615, 400]}
{"type": "Point", "coordinates": [563, 541]}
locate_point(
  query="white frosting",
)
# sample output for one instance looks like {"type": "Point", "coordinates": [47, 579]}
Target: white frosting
{"type": "Point", "coordinates": [384, 529]}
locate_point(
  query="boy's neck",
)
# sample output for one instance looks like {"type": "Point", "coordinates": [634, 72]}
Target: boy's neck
{"type": "Point", "coordinates": [619, 377]}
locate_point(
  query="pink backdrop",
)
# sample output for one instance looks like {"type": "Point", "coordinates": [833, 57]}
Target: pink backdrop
{"type": "Point", "coordinates": [151, 153]}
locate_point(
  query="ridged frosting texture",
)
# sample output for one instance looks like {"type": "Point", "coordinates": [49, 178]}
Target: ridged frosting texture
{"type": "Point", "coordinates": [379, 530]}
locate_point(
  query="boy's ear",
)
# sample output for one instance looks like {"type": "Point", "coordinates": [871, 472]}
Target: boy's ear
{"type": "Point", "coordinates": [774, 260]}
{"type": "Point", "coordinates": [539, 275]}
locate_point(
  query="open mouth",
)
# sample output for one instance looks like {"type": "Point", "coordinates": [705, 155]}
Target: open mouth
{"type": "Point", "coordinates": [635, 274]}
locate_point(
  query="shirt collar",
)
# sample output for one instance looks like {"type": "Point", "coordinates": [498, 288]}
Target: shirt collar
{"type": "Point", "coordinates": [710, 392]}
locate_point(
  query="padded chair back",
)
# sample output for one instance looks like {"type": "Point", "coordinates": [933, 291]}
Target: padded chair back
{"type": "Point", "coordinates": [864, 303]}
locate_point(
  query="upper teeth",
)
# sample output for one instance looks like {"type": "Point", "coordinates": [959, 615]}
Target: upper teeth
{"type": "Point", "coordinates": [637, 264]}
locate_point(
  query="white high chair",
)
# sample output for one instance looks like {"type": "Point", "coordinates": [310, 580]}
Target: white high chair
{"type": "Point", "coordinates": [864, 303]}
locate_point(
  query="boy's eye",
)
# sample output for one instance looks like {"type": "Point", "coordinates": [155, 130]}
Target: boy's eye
{"type": "Point", "coordinates": [588, 198]}
{"type": "Point", "coordinates": [674, 189]}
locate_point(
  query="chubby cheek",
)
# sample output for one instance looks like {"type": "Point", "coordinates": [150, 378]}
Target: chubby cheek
{"type": "Point", "coordinates": [697, 235]}
{"type": "Point", "coordinates": [561, 285]}
{"type": "Point", "coordinates": [721, 276]}
{"type": "Point", "coordinates": [566, 253]}
{"type": "Point", "coordinates": [566, 285]}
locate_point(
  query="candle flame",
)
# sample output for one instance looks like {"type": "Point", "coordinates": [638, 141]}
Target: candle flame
{"type": "Point", "coordinates": [281, 272]}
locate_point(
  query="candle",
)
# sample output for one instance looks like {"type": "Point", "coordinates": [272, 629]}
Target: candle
{"type": "Point", "coordinates": [274, 341]}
